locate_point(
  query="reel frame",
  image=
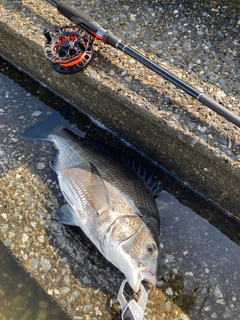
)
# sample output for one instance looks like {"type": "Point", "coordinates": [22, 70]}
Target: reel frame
{"type": "Point", "coordinates": [69, 49]}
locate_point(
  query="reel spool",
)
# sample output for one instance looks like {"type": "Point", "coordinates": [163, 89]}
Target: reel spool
{"type": "Point", "coordinates": [68, 48]}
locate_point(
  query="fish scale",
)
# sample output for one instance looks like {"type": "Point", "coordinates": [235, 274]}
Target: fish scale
{"type": "Point", "coordinates": [129, 181]}
{"type": "Point", "coordinates": [106, 198]}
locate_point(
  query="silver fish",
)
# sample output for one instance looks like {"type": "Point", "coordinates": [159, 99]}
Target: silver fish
{"type": "Point", "coordinates": [106, 198]}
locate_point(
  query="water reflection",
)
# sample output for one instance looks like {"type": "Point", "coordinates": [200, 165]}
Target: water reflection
{"type": "Point", "coordinates": [199, 264]}
{"type": "Point", "coordinates": [199, 267]}
{"type": "Point", "coordinates": [21, 298]}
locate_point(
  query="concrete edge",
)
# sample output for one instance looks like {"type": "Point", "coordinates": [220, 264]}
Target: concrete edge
{"type": "Point", "coordinates": [197, 164]}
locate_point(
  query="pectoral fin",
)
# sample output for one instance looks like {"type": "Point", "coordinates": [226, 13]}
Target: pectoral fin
{"type": "Point", "coordinates": [97, 191]}
{"type": "Point", "coordinates": [84, 189]}
{"type": "Point", "coordinates": [64, 215]}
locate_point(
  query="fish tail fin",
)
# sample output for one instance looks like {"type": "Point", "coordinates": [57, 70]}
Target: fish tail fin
{"type": "Point", "coordinates": [47, 127]}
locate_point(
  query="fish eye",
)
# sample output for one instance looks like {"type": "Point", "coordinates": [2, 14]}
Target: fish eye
{"type": "Point", "coordinates": [151, 248]}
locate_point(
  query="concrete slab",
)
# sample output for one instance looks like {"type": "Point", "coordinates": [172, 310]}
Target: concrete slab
{"type": "Point", "coordinates": [197, 42]}
{"type": "Point", "coordinates": [162, 121]}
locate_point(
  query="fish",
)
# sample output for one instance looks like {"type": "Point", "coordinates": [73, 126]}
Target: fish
{"type": "Point", "coordinates": [106, 198]}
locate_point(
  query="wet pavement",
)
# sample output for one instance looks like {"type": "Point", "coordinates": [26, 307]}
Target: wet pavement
{"type": "Point", "coordinates": [196, 41]}
{"type": "Point", "coordinates": [21, 297]}
{"type": "Point", "coordinates": [199, 263]}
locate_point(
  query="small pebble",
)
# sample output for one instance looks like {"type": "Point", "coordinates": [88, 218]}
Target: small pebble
{"type": "Point", "coordinates": [56, 291]}
{"type": "Point", "coordinates": [169, 291]}
{"type": "Point", "coordinates": [169, 258]}
{"type": "Point", "coordinates": [33, 224]}
{"type": "Point", "coordinates": [183, 316]}
{"type": "Point", "coordinates": [168, 305]}
{"type": "Point", "coordinates": [98, 312]}
{"type": "Point", "coordinates": [217, 292]}
{"type": "Point", "coordinates": [220, 95]}
{"type": "Point", "coordinates": [65, 290]}
{"type": "Point", "coordinates": [41, 239]}
{"type": "Point", "coordinates": [207, 308]}
{"type": "Point", "coordinates": [4, 215]}
{"type": "Point", "coordinates": [25, 237]}
{"type": "Point", "coordinates": [88, 308]}
{"type": "Point", "coordinates": [40, 165]}
{"type": "Point", "coordinates": [192, 125]}
{"type": "Point", "coordinates": [46, 265]}
{"type": "Point", "coordinates": [7, 242]}
{"type": "Point", "coordinates": [160, 283]}
{"type": "Point", "coordinates": [228, 313]}
{"type": "Point", "coordinates": [11, 234]}
{"type": "Point", "coordinates": [36, 113]}
{"type": "Point", "coordinates": [128, 78]}
{"type": "Point", "coordinates": [175, 116]}
{"type": "Point", "coordinates": [221, 301]}
{"type": "Point", "coordinates": [223, 140]}
{"type": "Point", "coordinates": [86, 280]}
{"type": "Point", "coordinates": [204, 137]}
{"type": "Point", "coordinates": [33, 263]}
{"type": "Point", "coordinates": [203, 263]}
{"type": "Point", "coordinates": [194, 141]}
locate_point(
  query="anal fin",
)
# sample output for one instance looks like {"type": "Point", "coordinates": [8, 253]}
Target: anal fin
{"type": "Point", "coordinates": [64, 215]}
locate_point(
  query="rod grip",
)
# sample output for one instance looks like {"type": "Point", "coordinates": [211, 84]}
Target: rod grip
{"type": "Point", "coordinates": [78, 17]}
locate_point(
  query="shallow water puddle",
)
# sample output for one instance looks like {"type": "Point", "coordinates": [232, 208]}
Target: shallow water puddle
{"type": "Point", "coordinates": [199, 265]}
{"type": "Point", "coordinates": [21, 298]}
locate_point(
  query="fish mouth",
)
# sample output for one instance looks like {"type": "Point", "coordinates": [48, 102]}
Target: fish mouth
{"type": "Point", "coordinates": [147, 275]}
{"type": "Point", "coordinates": [142, 273]}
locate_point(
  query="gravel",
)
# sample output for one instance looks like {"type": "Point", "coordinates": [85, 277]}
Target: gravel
{"type": "Point", "coordinates": [18, 294]}
{"type": "Point", "coordinates": [198, 42]}
{"type": "Point", "coordinates": [198, 264]}
{"type": "Point", "coordinates": [205, 284]}
{"type": "Point", "coordinates": [73, 274]}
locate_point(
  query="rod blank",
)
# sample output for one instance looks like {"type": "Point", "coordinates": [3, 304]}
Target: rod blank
{"type": "Point", "coordinates": [224, 112]}
{"type": "Point", "coordinates": [95, 29]}
{"type": "Point", "coordinates": [53, 2]}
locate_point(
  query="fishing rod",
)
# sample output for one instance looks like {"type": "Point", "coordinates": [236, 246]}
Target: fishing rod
{"type": "Point", "coordinates": [70, 49]}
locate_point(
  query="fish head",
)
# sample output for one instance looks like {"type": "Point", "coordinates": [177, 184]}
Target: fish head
{"type": "Point", "coordinates": [140, 254]}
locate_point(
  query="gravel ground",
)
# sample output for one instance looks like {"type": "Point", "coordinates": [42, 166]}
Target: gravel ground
{"type": "Point", "coordinates": [198, 42]}
{"type": "Point", "coordinates": [198, 274]}
{"type": "Point", "coordinates": [76, 276]}
{"type": "Point", "coordinates": [28, 197]}
{"type": "Point", "coordinates": [21, 297]}
{"type": "Point", "coordinates": [199, 265]}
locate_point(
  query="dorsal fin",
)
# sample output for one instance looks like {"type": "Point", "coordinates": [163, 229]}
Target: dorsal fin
{"type": "Point", "coordinates": [153, 183]}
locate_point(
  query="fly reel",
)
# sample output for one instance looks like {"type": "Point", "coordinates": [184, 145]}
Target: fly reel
{"type": "Point", "coordinates": [68, 48]}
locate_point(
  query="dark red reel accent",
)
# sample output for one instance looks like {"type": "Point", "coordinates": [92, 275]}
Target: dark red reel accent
{"type": "Point", "coordinates": [68, 48]}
